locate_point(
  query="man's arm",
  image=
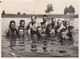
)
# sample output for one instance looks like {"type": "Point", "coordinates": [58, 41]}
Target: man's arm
{"type": "Point", "coordinates": [28, 26]}
{"type": "Point", "coordinates": [6, 31]}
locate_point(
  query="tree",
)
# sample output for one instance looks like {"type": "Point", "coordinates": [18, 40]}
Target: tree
{"type": "Point", "coordinates": [49, 8]}
{"type": "Point", "coordinates": [66, 10]}
{"type": "Point", "coordinates": [3, 12]}
{"type": "Point", "coordinates": [18, 13]}
{"type": "Point", "coordinates": [24, 13]}
{"type": "Point", "coordinates": [71, 9]}
{"type": "Point", "coordinates": [0, 1]}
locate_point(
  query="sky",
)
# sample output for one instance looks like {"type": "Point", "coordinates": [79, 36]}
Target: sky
{"type": "Point", "coordinates": [37, 6]}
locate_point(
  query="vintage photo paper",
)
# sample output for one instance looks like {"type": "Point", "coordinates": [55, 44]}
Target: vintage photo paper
{"type": "Point", "coordinates": [39, 28]}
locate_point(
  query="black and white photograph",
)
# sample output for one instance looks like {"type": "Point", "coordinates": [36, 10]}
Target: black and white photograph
{"type": "Point", "coordinates": [40, 28]}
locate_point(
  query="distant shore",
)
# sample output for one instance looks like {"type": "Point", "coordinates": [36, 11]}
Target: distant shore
{"type": "Point", "coordinates": [39, 16]}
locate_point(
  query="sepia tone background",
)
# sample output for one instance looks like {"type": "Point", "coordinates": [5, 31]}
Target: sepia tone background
{"type": "Point", "coordinates": [36, 7]}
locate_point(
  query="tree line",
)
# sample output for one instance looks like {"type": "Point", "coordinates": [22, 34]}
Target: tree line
{"type": "Point", "coordinates": [49, 9]}
{"type": "Point", "coordinates": [69, 9]}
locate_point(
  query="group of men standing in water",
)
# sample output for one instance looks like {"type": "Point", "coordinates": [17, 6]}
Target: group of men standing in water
{"type": "Point", "coordinates": [39, 32]}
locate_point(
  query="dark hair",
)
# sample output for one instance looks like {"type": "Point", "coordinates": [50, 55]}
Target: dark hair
{"type": "Point", "coordinates": [58, 21]}
{"type": "Point", "coordinates": [53, 18]}
{"type": "Point", "coordinates": [62, 30]}
{"type": "Point", "coordinates": [44, 15]}
{"type": "Point", "coordinates": [22, 21]}
{"type": "Point", "coordinates": [12, 21]}
{"type": "Point", "coordinates": [70, 27]}
{"type": "Point", "coordinates": [65, 22]}
{"type": "Point", "coordinates": [34, 16]}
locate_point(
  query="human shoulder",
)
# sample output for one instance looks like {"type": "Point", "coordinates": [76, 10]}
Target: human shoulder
{"type": "Point", "coordinates": [29, 23]}
{"type": "Point", "coordinates": [41, 23]}
{"type": "Point", "coordinates": [70, 27]}
{"type": "Point", "coordinates": [8, 28]}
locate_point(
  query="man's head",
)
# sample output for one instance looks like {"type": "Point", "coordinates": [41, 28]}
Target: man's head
{"type": "Point", "coordinates": [53, 20]}
{"type": "Point", "coordinates": [12, 24]}
{"type": "Point", "coordinates": [63, 32]}
{"type": "Point", "coordinates": [59, 22]}
{"type": "Point", "coordinates": [22, 22]}
{"type": "Point", "coordinates": [66, 23]}
{"type": "Point", "coordinates": [71, 29]}
{"type": "Point", "coordinates": [44, 18]}
{"type": "Point", "coordinates": [33, 19]}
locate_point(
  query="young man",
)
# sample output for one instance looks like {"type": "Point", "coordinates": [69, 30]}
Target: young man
{"type": "Point", "coordinates": [11, 33]}
{"type": "Point", "coordinates": [44, 24]}
{"type": "Point", "coordinates": [63, 36]}
{"type": "Point", "coordinates": [66, 24]}
{"type": "Point", "coordinates": [53, 21]}
{"type": "Point", "coordinates": [66, 35]}
{"type": "Point", "coordinates": [50, 31]}
{"type": "Point", "coordinates": [33, 26]}
{"type": "Point", "coordinates": [44, 32]}
{"type": "Point", "coordinates": [59, 22]}
{"type": "Point", "coordinates": [70, 34]}
{"type": "Point", "coordinates": [22, 24]}
{"type": "Point", "coordinates": [21, 35]}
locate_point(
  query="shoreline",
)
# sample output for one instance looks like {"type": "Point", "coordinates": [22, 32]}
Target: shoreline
{"type": "Point", "coordinates": [39, 16]}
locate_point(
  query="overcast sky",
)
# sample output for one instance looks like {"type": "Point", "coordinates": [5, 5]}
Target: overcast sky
{"type": "Point", "coordinates": [37, 6]}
